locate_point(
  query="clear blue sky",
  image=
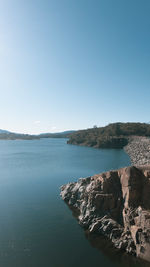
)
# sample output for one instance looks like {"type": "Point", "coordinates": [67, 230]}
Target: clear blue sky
{"type": "Point", "coordinates": [71, 64]}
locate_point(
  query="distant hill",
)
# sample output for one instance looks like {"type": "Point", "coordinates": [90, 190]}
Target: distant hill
{"type": "Point", "coordinates": [15, 136]}
{"type": "Point", "coordinates": [114, 135]}
{"type": "Point", "coordinates": [3, 131]}
{"type": "Point", "coordinates": [6, 135]}
{"type": "Point", "coordinates": [64, 134]}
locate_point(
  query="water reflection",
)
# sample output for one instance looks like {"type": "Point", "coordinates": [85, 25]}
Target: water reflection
{"type": "Point", "coordinates": [121, 258]}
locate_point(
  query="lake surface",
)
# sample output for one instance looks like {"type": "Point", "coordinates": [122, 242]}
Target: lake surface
{"type": "Point", "coordinates": [37, 229]}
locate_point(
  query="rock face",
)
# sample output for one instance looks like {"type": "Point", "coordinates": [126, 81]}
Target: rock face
{"type": "Point", "coordinates": [115, 204]}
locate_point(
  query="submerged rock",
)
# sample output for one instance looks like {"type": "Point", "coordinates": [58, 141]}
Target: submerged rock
{"type": "Point", "coordinates": [115, 204]}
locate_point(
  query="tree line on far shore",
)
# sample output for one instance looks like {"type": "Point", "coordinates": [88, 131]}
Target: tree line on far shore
{"type": "Point", "coordinates": [114, 135]}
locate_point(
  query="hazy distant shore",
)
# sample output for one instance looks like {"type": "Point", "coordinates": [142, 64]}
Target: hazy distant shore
{"type": "Point", "coordinates": [6, 135]}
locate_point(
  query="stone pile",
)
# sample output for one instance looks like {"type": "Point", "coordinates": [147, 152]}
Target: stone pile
{"type": "Point", "coordinates": [138, 149]}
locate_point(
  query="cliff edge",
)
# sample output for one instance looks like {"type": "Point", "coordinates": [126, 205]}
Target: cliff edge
{"type": "Point", "coordinates": [115, 204]}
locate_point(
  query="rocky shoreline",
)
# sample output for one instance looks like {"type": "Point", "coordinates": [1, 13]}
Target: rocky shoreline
{"type": "Point", "coordinates": [115, 204]}
{"type": "Point", "coordinates": [138, 149]}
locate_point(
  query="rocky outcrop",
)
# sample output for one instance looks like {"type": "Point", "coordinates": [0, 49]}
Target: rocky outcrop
{"type": "Point", "coordinates": [138, 149]}
{"type": "Point", "coordinates": [115, 204]}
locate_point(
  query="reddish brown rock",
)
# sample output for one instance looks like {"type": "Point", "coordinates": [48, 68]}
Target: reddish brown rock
{"type": "Point", "coordinates": [117, 205]}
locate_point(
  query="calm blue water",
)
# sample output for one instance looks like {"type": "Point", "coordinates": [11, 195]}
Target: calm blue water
{"type": "Point", "coordinates": [37, 229]}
